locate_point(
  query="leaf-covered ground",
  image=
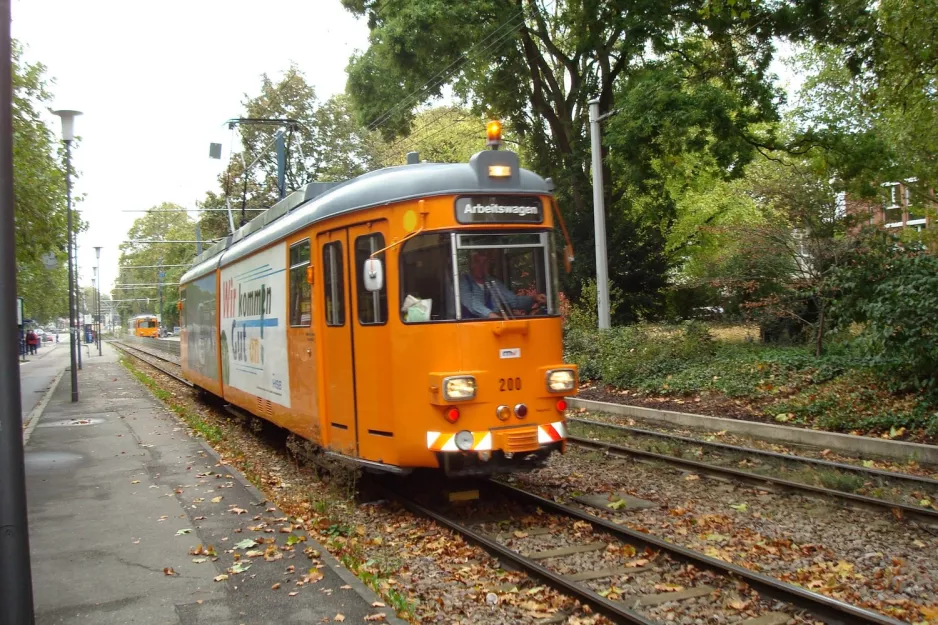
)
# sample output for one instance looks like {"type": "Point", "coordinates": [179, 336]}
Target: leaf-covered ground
{"type": "Point", "coordinates": [711, 371]}
{"type": "Point", "coordinates": [865, 558]}
{"type": "Point", "coordinates": [425, 573]}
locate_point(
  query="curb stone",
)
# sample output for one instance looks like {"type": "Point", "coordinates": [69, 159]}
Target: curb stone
{"type": "Point", "coordinates": [363, 591]}
{"type": "Point", "coordinates": [347, 576]}
{"type": "Point", "coordinates": [32, 419]}
{"type": "Point", "coordinates": [818, 439]}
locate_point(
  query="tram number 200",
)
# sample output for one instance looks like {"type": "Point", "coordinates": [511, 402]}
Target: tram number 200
{"type": "Point", "coordinates": [509, 384]}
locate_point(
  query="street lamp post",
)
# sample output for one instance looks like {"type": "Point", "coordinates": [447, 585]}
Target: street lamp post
{"type": "Point", "coordinates": [16, 606]}
{"type": "Point", "coordinates": [68, 134]}
{"type": "Point", "coordinates": [97, 252]}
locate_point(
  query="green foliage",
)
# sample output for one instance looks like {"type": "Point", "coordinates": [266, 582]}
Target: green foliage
{"type": "Point", "coordinates": [689, 82]}
{"type": "Point", "coordinates": [444, 134]}
{"type": "Point", "coordinates": [328, 145]}
{"type": "Point", "coordinates": [39, 189]}
{"type": "Point", "coordinates": [629, 356]}
{"type": "Point", "coordinates": [892, 289]}
{"type": "Point", "coordinates": [161, 223]}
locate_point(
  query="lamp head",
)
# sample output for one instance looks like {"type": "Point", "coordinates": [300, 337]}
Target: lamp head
{"type": "Point", "coordinates": [68, 123]}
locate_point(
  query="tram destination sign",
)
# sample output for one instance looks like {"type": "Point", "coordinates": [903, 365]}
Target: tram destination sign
{"type": "Point", "coordinates": [499, 209]}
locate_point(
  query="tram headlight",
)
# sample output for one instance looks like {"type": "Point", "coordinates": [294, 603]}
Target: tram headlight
{"type": "Point", "coordinates": [560, 380]}
{"type": "Point", "coordinates": [464, 440]}
{"type": "Point", "coordinates": [459, 388]}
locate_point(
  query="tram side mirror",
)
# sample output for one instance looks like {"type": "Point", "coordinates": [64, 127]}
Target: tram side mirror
{"type": "Point", "coordinates": [373, 274]}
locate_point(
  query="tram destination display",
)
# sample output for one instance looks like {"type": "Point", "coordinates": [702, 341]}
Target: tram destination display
{"type": "Point", "coordinates": [499, 209]}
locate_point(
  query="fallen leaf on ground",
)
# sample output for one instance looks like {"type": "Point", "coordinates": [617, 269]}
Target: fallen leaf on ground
{"type": "Point", "coordinates": [338, 618]}
{"type": "Point", "coordinates": [216, 499]}
{"type": "Point", "coordinates": [185, 531]}
{"type": "Point", "coordinates": [169, 571]}
{"type": "Point", "coordinates": [275, 586]}
{"type": "Point", "coordinates": [221, 578]}
{"type": "Point", "coordinates": [293, 594]}
{"type": "Point", "coordinates": [375, 617]}
{"type": "Point", "coordinates": [247, 543]}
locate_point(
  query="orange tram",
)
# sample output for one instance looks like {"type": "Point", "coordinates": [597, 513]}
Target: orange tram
{"type": "Point", "coordinates": [406, 318]}
{"type": "Point", "coordinates": [145, 325]}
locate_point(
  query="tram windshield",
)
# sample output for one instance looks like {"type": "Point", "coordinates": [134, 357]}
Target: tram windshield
{"type": "Point", "coordinates": [469, 276]}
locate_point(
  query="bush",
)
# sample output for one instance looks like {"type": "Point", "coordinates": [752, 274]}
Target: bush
{"type": "Point", "coordinates": [892, 289]}
{"type": "Point", "coordinates": [629, 355]}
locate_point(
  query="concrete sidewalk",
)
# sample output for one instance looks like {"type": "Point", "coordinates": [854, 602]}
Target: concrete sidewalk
{"type": "Point", "coordinates": [113, 482]}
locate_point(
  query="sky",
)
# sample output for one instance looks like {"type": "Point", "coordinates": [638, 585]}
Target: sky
{"type": "Point", "coordinates": [156, 82]}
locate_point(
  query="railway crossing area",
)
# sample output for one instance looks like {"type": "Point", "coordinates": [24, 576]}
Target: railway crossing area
{"type": "Point", "coordinates": [133, 521]}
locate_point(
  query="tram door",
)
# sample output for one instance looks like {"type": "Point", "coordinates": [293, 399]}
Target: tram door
{"type": "Point", "coordinates": [372, 345]}
{"type": "Point", "coordinates": [338, 369]}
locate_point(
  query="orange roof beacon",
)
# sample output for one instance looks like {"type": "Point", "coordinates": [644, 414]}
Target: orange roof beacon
{"type": "Point", "coordinates": [405, 318]}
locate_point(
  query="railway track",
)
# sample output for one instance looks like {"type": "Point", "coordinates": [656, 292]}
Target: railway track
{"type": "Point", "coordinates": [628, 576]}
{"type": "Point", "coordinates": [136, 353]}
{"type": "Point", "coordinates": [687, 581]}
{"type": "Point", "coordinates": [918, 513]}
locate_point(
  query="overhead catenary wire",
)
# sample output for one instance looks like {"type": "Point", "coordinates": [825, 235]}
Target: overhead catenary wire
{"type": "Point", "coordinates": [417, 93]}
{"type": "Point", "coordinates": [448, 71]}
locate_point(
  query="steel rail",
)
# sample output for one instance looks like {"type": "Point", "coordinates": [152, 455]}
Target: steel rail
{"type": "Point", "coordinates": [893, 475]}
{"type": "Point", "coordinates": [921, 514]}
{"type": "Point", "coordinates": [824, 607]}
{"type": "Point", "coordinates": [611, 609]}
{"type": "Point", "coordinates": [129, 351]}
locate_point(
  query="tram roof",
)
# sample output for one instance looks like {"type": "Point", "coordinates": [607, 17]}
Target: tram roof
{"type": "Point", "coordinates": [318, 201]}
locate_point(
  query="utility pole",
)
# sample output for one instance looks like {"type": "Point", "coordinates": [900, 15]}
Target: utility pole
{"type": "Point", "coordinates": [16, 588]}
{"type": "Point", "coordinates": [97, 273]}
{"type": "Point", "coordinates": [161, 275]}
{"type": "Point", "coordinates": [599, 216]}
{"type": "Point", "coordinates": [79, 310]}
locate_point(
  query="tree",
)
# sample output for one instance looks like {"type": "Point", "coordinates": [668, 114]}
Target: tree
{"type": "Point", "coordinates": [141, 263]}
{"type": "Point", "coordinates": [782, 262]}
{"type": "Point", "coordinates": [536, 64]}
{"type": "Point", "coordinates": [39, 189]}
{"type": "Point", "coordinates": [326, 145]}
{"type": "Point", "coordinates": [443, 134]}
{"type": "Point", "coordinates": [877, 113]}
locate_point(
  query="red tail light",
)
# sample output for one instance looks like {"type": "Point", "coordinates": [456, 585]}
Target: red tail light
{"type": "Point", "coordinates": [452, 415]}
{"type": "Point", "coordinates": [561, 405]}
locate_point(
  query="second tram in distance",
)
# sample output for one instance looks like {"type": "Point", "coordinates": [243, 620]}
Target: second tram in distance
{"type": "Point", "coordinates": [406, 318]}
{"type": "Point", "coordinates": [145, 325]}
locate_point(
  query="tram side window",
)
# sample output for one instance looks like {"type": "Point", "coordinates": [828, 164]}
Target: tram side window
{"type": "Point", "coordinates": [427, 278]}
{"type": "Point", "coordinates": [300, 289]}
{"type": "Point", "coordinates": [333, 283]}
{"type": "Point", "coordinates": [372, 306]}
